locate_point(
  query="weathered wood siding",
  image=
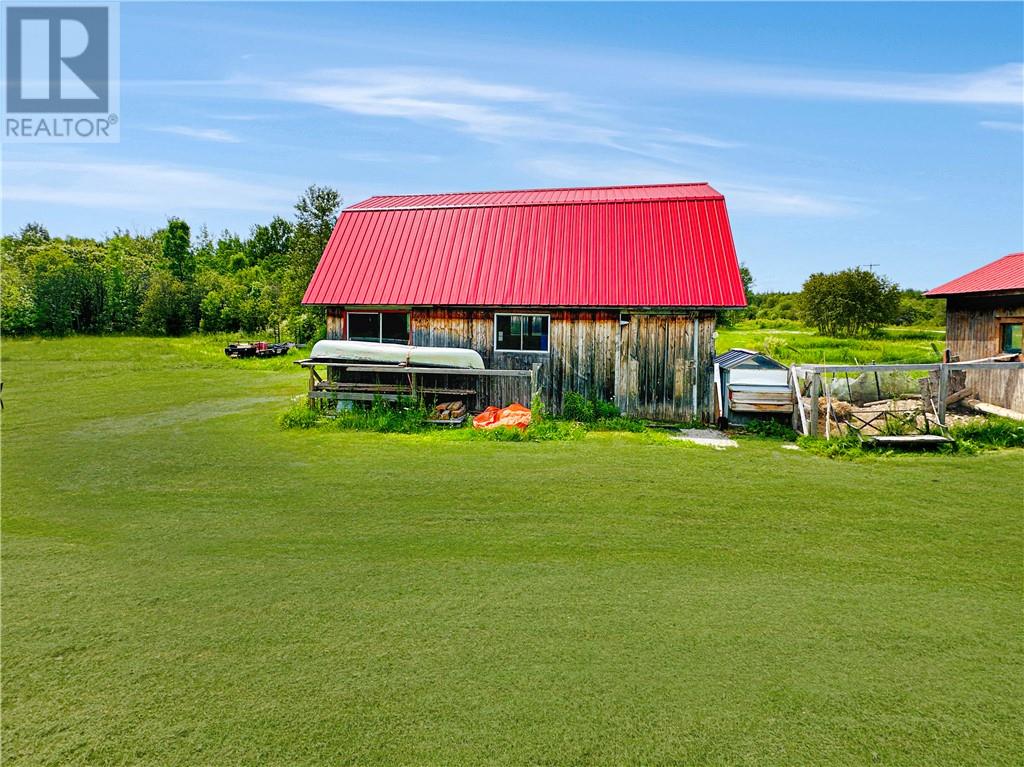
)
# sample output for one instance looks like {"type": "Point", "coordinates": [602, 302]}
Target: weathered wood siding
{"type": "Point", "coordinates": [657, 367]}
{"type": "Point", "coordinates": [973, 332]}
{"type": "Point", "coordinates": [646, 365]}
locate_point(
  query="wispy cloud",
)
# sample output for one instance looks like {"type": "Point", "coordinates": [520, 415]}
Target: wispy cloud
{"type": "Point", "coordinates": [772, 200]}
{"type": "Point", "coordinates": [1001, 85]}
{"type": "Point", "coordinates": [165, 189]}
{"type": "Point", "coordinates": [472, 105]}
{"type": "Point", "coordinates": [200, 134]}
{"type": "Point", "coordinates": [760, 197]}
{"type": "Point", "coordinates": [1003, 125]}
{"type": "Point", "coordinates": [487, 110]}
{"type": "Point", "coordinates": [670, 136]}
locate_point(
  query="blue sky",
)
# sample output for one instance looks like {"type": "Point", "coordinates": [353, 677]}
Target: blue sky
{"type": "Point", "coordinates": [841, 134]}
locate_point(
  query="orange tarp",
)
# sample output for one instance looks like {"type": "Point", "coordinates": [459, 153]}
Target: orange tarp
{"type": "Point", "coordinates": [514, 415]}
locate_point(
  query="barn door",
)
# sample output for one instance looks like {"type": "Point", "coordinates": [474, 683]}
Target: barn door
{"type": "Point", "coordinates": [655, 370]}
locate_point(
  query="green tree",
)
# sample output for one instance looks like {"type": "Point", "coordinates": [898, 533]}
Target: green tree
{"type": "Point", "coordinates": [849, 302]}
{"type": "Point", "coordinates": [316, 213]}
{"type": "Point", "coordinates": [66, 278]}
{"type": "Point", "coordinates": [130, 260]}
{"type": "Point", "coordinates": [165, 310]}
{"type": "Point", "coordinates": [729, 316]}
{"type": "Point", "coordinates": [34, 233]}
{"type": "Point", "coordinates": [268, 245]}
{"type": "Point", "coordinates": [17, 304]}
{"type": "Point", "coordinates": [915, 309]}
{"type": "Point", "coordinates": [177, 250]}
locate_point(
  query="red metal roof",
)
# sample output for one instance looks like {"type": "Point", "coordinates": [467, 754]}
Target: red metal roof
{"type": "Point", "coordinates": [1004, 274]}
{"type": "Point", "coordinates": [632, 246]}
{"type": "Point", "coordinates": [566, 196]}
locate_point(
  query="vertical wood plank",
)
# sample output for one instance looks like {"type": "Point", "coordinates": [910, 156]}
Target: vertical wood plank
{"type": "Point", "coordinates": [940, 406]}
{"type": "Point", "coordinates": [815, 393]}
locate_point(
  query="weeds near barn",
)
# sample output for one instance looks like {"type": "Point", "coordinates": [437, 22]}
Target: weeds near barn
{"type": "Point", "coordinates": [408, 416]}
{"type": "Point", "coordinates": [990, 433]}
{"type": "Point", "coordinates": [970, 438]}
{"type": "Point", "coordinates": [770, 429]}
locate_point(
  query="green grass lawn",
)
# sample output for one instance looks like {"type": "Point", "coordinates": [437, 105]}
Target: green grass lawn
{"type": "Point", "coordinates": [792, 342]}
{"type": "Point", "coordinates": [185, 583]}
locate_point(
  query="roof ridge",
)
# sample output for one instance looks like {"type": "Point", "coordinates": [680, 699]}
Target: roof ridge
{"type": "Point", "coordinates": [546, 189]}
{"type": "Point", "coordinates": [541, 204]}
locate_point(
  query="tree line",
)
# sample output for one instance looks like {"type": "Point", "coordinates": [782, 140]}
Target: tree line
{"type": "Point", "coordinates": [846, 303]}
{"type": "Point", "coordinates": [171, 281]}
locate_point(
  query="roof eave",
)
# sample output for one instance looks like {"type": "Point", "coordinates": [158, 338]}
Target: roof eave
{"type": "Point", "coordinates": [938, 293]}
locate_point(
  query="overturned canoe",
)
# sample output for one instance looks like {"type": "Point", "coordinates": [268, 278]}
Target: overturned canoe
{"type": "Point", "coordinates": [396, 354]}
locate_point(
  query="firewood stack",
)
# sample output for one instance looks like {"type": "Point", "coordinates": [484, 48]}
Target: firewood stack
{"type": "Point", "coordinates": [450, 411]}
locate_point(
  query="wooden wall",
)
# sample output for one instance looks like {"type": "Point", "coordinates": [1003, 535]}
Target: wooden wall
{"type": "Point", "coordinates": [972, 332]}
{"type": "Point", "coordinates": [646, 366]}
{"type": "Point", "coordinates": [657, 369]}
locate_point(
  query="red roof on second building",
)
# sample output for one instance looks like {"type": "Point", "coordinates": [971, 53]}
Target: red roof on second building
{"type": "Point", "coordinates": [1002, 275]}
{"type": "Point", "coordinates": [666, 245]}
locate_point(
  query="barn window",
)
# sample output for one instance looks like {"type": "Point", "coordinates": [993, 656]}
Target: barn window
{"type": "Point", "coordinates": [1012, 337]}
{"type": "Point", "coordinates": [521, 332]}
{"type": "Point", "coordinates": [380, 327]}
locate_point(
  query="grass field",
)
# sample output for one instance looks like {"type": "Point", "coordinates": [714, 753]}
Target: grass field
{"type": "Point", "coordinates": [186, 583]}
{"type": "Point", "coordinates": [793, 342]}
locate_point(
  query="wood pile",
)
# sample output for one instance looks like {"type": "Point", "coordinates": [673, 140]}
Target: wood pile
{"type": "Point", "coordinates": [929, 385]}
{"type": "Point", "coordinates": [450, 411]}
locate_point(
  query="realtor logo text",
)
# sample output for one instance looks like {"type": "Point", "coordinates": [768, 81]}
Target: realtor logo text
{"type": "Point", "coordinates": [61, 73]}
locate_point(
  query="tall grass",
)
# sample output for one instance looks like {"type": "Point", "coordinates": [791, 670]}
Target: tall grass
{"type": "Point", "coordinates": [790, 342]}
{"type": "Point", "coordinates": [409, 417]}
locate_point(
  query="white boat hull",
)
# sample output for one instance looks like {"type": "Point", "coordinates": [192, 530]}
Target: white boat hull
{"type": "Point", "coordinates": [397, 354]}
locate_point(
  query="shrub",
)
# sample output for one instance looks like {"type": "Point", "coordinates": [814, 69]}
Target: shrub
{"type": "Point", "coordinates": [537, 411]}
{"type": "Point", "coordinates": [164, 310]}
{"type": "Point", "coordinates": [991, 433]}
{"type": "Point", "coordinates": [576, 407]}
{"type": "Point", "coordinates": [606, 410]}
{"type": "Point", "coordinates": [771, 429]}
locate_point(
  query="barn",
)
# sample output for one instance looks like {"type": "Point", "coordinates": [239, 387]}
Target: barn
{"type": "Point", "coordinates": [985, 318]}
{"type": "Point", "coordinates": [611, 292]}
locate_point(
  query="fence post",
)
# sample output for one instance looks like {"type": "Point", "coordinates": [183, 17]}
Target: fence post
{"type": "Point", "coordinates": [799, 419]}
{"type": "Point", "coordinates": [940, 406]}
{"type": "Point", "coordinates": [815, 393]}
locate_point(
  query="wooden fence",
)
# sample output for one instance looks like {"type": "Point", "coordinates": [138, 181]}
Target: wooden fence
{"type": "Point", "coordinates": [808, 421]}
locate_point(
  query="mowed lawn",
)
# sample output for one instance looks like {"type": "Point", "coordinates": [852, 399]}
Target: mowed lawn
{"type": "Point", "coordinates": [184, 583]}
